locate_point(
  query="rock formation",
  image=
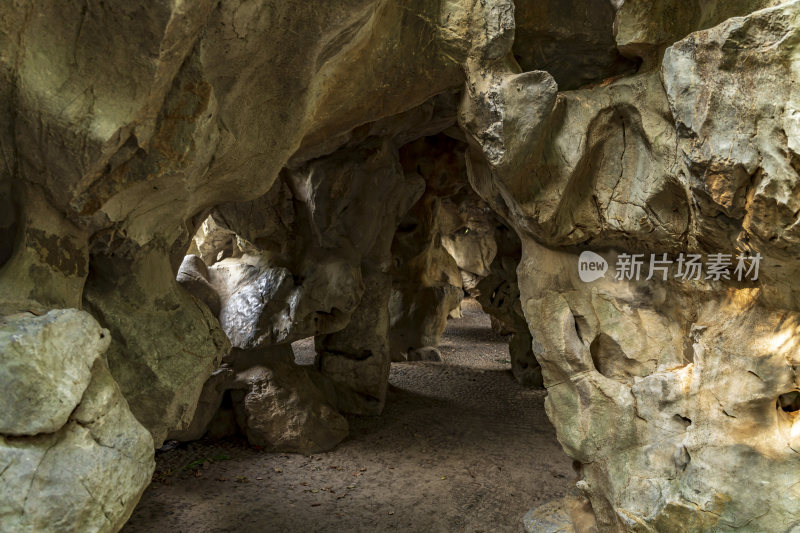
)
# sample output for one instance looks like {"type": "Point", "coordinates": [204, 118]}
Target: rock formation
{"type": "Point", "coordinates": [187, 189]}
{"type": "Point", "coordinates": [426, 282]}
{"type": "Point", "coordinates": [634, 368]}
{"type": "Point", "coordinates": [72, 456]}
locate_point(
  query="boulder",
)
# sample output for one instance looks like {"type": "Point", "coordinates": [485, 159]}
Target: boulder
{"type": "Point", "coordinates": [90, 459]}
{"type": "Point", "coordinates": [261, 305]}
{"type": "Point", "coordinates": [278, 406]}
{"type": "Point", "coordinates": [45, 367]}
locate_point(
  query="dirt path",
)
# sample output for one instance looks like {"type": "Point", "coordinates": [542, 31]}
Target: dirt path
{"type": "Point", "coordinates": [460, 448]}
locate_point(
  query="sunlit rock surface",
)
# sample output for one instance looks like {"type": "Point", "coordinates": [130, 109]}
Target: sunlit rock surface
{"type": "Point", "coordinates": [645, 377]}
{"type": "Point", "coordinates": [46, 367]}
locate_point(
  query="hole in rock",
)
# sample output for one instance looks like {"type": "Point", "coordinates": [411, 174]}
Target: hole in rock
{"type": "Point", "coordinates": [789, 402]}
{"type": "Point", "coordinates": [443, 456]}
{"type": "Point", "coordinates": [404, 405]}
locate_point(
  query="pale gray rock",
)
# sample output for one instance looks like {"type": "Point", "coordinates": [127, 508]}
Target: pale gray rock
{"type": "Point", "coordinates": [85, 477]}
{"type": "Point", "coordinates": [262, 305]}
{"type": "Point", "coordinates": [45, 367]}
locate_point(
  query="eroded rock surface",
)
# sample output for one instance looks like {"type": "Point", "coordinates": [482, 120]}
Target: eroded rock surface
{"type": "Point", "coordinates": [279, 407]}
{"type": "Point", "coordinates": [426, 281]}
{"type": "Point", "coordinates": [73, 458]}
{"type": "Point", "coordinates": [654, 166]}
{"type": "Point", "coordinates": [46, 367]}
{"type": "Point", "coordinates": [193, 276]}
{"type": "Point", "coordinates": [322, 150]}
{"type": "Point", "coordinates": [275, 403]}
{"type": "Point", "coordinates": [498, 294]}
{"type": "Point", "coordinates": [165, 342]}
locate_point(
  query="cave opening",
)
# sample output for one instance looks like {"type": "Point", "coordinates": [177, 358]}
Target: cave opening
{"type": "Point", "coordinates": [282, 265]}
{"type": "Point", "coordinates": [789, 402]}
{"type": "Point", "coordinates": [386, 381]}
{"type": "Point", "coordinates": [448, 452]}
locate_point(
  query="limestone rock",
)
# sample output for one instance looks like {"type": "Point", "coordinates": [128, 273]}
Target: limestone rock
{"type": "Point", "coordinates": [296, 126]}
{"type": "Point", "coordinates": [213, 241]}
{"type": "Point", "coordinates": [275, 403]}
{"type": "Point", "coordinates": [524, 365]}
{"type": "Point", "coordinates": [548, 518]}
{"type": "Point", "coordinates": [165, 343]}
{"type": "Point", "coordinates": [262, 305]}
{"type": "Point", "coordinates": [644, 29]}
{"type": "Point", "coordinates": [356, 358]}
{"type": "Point", "coordinates": [573, 40]}
{"type": "Point", "coordinates": [571, 514]}
{"type": "Point", "coordinates": [208, 405]}
{"type": "Point", "coordinates": [182, 113]}
{"type": "Point", "coordinates": [498, 294]}
{"type": "Point", "coordinates": [468, 236]}
{"type": "Point", "coordinates": [426, 281]}
{"type": "Point", "coordinates": [45, 368]}
{"type": "Point", "coordinates": [47, 260]}
{"type": "Point", "coordinates": [193, 276]}
{"type": "Point", "coordinates": [742, 166]}
{"type": "Point", "coordinates": [646, 381]}
{"type": "Point", "coordinates": [417, 324]}
{"type": "Point", "coordinates": [341, 211]}
{"type": "Point", "coordinates": [279, 408]}
{"type": "Point", "coordinates": [86, 476]}
{"type": "Point", "coordinates": [426, 353]}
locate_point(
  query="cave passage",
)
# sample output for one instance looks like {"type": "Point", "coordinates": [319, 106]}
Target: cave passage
{"type": "Point", "coordinates": [460, 446]}
{"type": "Point", "coordinates": [246, 247]}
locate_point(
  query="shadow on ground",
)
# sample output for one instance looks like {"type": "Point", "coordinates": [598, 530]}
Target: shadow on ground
{"type": "Point", "coordinates": [461, 447]}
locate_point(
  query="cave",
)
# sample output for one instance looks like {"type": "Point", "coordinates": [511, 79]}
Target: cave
{"type": "Point", "coordinates": [399, 266]}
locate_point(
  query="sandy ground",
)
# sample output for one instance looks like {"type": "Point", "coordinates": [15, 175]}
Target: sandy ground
{"type": "Point", "coordinates": [460, 447]}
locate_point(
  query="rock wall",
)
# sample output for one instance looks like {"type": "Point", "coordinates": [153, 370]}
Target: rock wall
{"type": "Point", "coordinates": [310, 156]}
{"type": "Point", "coordinates": [654, 386]}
